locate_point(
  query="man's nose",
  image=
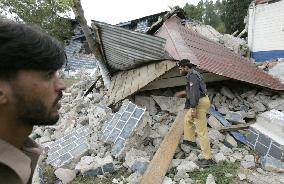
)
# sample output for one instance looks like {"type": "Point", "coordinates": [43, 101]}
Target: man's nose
{"type": "Point", "coordinates": [60, 86]}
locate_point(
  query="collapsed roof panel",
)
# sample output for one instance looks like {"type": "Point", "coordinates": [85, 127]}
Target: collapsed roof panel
{"type": "Point", "coordinates": [126, 83]}
{"type": "Point", "coordinates": [211, 56]}
{"type": "Point", "coordinates": [125, 49]}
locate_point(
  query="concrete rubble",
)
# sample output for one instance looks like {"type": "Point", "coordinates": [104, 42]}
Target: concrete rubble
{"type": "Point", "coordinates": [91, 139]}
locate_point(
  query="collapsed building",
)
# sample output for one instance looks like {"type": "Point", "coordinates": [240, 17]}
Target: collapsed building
{"type": "Point", "coordinates": [94, 139]}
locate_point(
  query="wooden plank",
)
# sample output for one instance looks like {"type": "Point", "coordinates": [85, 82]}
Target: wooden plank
{"type": "Point", "coordinates": [240, 137]}
{"type": "Point", "coordinates": [162, 159]}
{"type": "Point", "coordinates": [234, 127]}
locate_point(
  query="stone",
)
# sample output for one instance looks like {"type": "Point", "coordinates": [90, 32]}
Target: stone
{"type": "Point", "coordinates": [231, 141]}
{"type": "Point", "coordinates": [185, 148]}
{"type": "Point", "coordinates": [281, 180]}
{"type": "Point", "coordinates": [192, 157]}
{"type": "Point", "coordinates": [215, 135]}
{"type": "Point", "coordinates": [135, 155]}
{"type": "Point", "coordinates": [186, 181]}
{"type": "Point", "coordinates": [272, 164]}
{"type": "Point", "coordinates": [223, 110]}
{"type": "Point", "coordinates": [261, 171]}
{"type": "Point", "coordinates": [238, 156]}
{"type": "Point", "coordinates": [167, 180]}
{"type": "Point", "coordinates": [234, 117]}
{"type": "Point", "coordinates": [170, 104]}
{"type": "Point", "coordinates": [147, 102]}
{"type": "Point", "coordinates": [242, 176]}
{"type": "Point", "coordinates": [210, 179]}
{"type": "Point", "coordinates": [175, 163]}
{"type": "Point", "coordinates": [65, 175]}
{"type": "Point", "coordinates": [134, 178]}
{"type": "Point", "coordinates": [250, 114]}
{"type": "Point", "coordinates": [259, 107]}
{"type": "Point", "coordinates": [181, 174]}
{"type": "Point", "coordinates": [227, 92]}
{"type": "Point", "coordinates": [219, 157]}
{"type": "Point", "coordinates": [248, 162]}
{"type": "Point", "coordinates": [276, 104]}
{"type": "Point", "coordinates": [187, 166]}
{"type": "Point", "coordinates": [163, 130]}
{"type": "Point", "coordinates": [214, 122]}
{"type": "Point", "coordinates": [140, 166]}
{"type": "Point", "coordinates": [225, 150]}
{"type": "Point", "coordinates": [44, 139]}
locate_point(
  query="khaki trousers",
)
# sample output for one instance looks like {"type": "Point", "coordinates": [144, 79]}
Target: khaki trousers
{"type": "Point", "coordinates": [200, 124]}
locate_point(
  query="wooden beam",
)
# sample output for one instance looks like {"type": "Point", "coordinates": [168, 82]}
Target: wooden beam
{"type": "Point", "coordinates": [162, 159]}
{"type": "Point", "coordinates": [234, 127]}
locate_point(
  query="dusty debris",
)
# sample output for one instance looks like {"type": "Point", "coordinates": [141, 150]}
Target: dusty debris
{"type": "Point", "coordinates": [89, 114]}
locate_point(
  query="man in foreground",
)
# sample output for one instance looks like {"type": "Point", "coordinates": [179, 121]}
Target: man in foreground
{"type": "Point", "coordinates": [197, 105]}
{"type": "Point", "coordinates": [29, 94]}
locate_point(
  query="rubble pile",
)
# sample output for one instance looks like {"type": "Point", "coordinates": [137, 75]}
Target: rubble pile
{"type": "Point", "coordinates": [235, 44]}
{"type": "Point", "coordinates": [91, 139]}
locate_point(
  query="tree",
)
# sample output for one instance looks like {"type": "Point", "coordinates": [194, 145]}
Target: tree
{"type": "Point", "coordinates": [93, 43]}
{"type": "Point", "coordinates": [194, 12]}
{"type": "Point", "coordinates": [234, 14]}
{"type": "Point", "coordinates": [50, 15]}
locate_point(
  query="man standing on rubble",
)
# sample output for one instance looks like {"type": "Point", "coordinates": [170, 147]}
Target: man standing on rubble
{"type": "Point", "coordinates": [29, 94]}
{"type": "Point", "coordinates": [197, 105]}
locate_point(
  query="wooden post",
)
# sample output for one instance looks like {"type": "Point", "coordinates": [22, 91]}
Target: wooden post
{"type": "Point", "coordinates": [159, 165]}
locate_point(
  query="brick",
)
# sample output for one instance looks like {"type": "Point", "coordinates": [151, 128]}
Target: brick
{"type": "Point", "coordinates": [264, 140]}
{"type": "Point", "coordinates": [52, 157]}
{"type": "Point", "coordinates": [120, 124]}
{"type": "Point", "coordinates": [64, 158]}
{"type": "Point", "coordinates": [261, 149]}
{"type": "Point", "coordinates": [114, 121]}
{"type": "Point", "coordinates": [127, 130]}
{"type": "Point", "coordinates": [67, 148]}
{"type": "Point", "coordinates": [251, 138]}
{"type": "Point", "coordinates": [105, 135]}
{"type": "Point", "coordinates": [113, 135]}
{"type": "Point", "coordinates": [94, 172]}
{"type": "Point", "coordinates": [54, 149]}
{"type": "Point", "coordinates": [71, 139]}
{"type": "Point", "coordinates": [79, 150]}
{"type": "Point", "coordinates": [125, 116]}
{"type": "Point", "coordinates": [138, 113]}
{"type": "Point", "coordinates": [81, 140]}
{"type": "Point", "coordinates": [108, 168]}
{"type": "Point", "coordinates": [130, 107]}
{"type": "Point", "coordinates": [276, 152]}
{"type": "Point", "coordinates": [67, 136]}
{"type": "Point", "coordinates": [118, 146]}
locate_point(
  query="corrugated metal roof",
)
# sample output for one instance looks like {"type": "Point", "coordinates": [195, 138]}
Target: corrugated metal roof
{"type": "Point", "coordinates": [125, 49]}
{"type": "Point", "coordinates": [211, 56]}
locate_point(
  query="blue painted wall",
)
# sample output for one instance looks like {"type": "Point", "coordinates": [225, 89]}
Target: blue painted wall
{"type": "Point", "coordinates": [267, 55]}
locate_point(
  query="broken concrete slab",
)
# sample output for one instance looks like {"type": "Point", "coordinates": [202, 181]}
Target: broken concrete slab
{"type": "Point", "coordinates": [70, 147]}
{"type": "Point", "coordinates": [147, 102]}
{"type": "Point", "coordinates": [121, 126]}
{"type": "Point", "coordinates": [187, 166]}
{"type": "Point", "coordinates": [227, 92]}
{"type": "Point", "coordinates": [266, 135]}
{"type": "Point", "coordinates": [214, 122]}
{"type": "Point", "coordinates": [65, 175]}
{"type": "Point", "coordinates": [170, 104]}
{"type": "Point", "coordinates": [234, 117]}
{"type": "Point", "coordinates": [272, 164]}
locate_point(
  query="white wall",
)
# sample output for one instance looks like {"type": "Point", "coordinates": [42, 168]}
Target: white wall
{"type": "Point", "coordinates": [266, 27]}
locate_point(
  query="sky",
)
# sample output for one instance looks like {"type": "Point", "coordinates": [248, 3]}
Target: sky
{"type": "Point", "coordinates": [116, 11]}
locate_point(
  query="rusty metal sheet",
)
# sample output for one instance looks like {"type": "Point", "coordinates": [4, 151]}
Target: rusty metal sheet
{"type": "Point", "coordinates": [211, 56]}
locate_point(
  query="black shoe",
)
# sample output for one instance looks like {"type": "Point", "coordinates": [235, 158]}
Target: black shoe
{"type": "Point", "coordinates": [191, 144]}
{"type": "Point", "coordinates": [204, 162]}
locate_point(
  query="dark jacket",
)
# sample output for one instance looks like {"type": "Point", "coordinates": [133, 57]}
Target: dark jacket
{"type": "Point", "coordinates": [195, 89]}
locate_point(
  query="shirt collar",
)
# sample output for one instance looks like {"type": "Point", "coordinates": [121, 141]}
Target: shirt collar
{"type": "Point", "coordinates": [16, 159]}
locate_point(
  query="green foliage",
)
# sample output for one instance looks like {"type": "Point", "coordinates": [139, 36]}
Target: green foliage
{"type": "Point", "coordinates": [50, 15]}
{"type": "Point", "coordinates": [219, 172]}
{"type": "Point", "coordinates": [224, 16]}
{"type": "Point", "coordinates": [234, 14]}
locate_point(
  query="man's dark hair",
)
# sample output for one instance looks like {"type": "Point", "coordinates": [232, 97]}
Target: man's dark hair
{"type": "Point", "coordinates": [27, 47]}
{"type": "Point", "coordinates": [185, 62]}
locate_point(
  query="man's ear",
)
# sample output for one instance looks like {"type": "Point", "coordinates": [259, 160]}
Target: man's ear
{"type": "Point", "coordinates": [4, 91]}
